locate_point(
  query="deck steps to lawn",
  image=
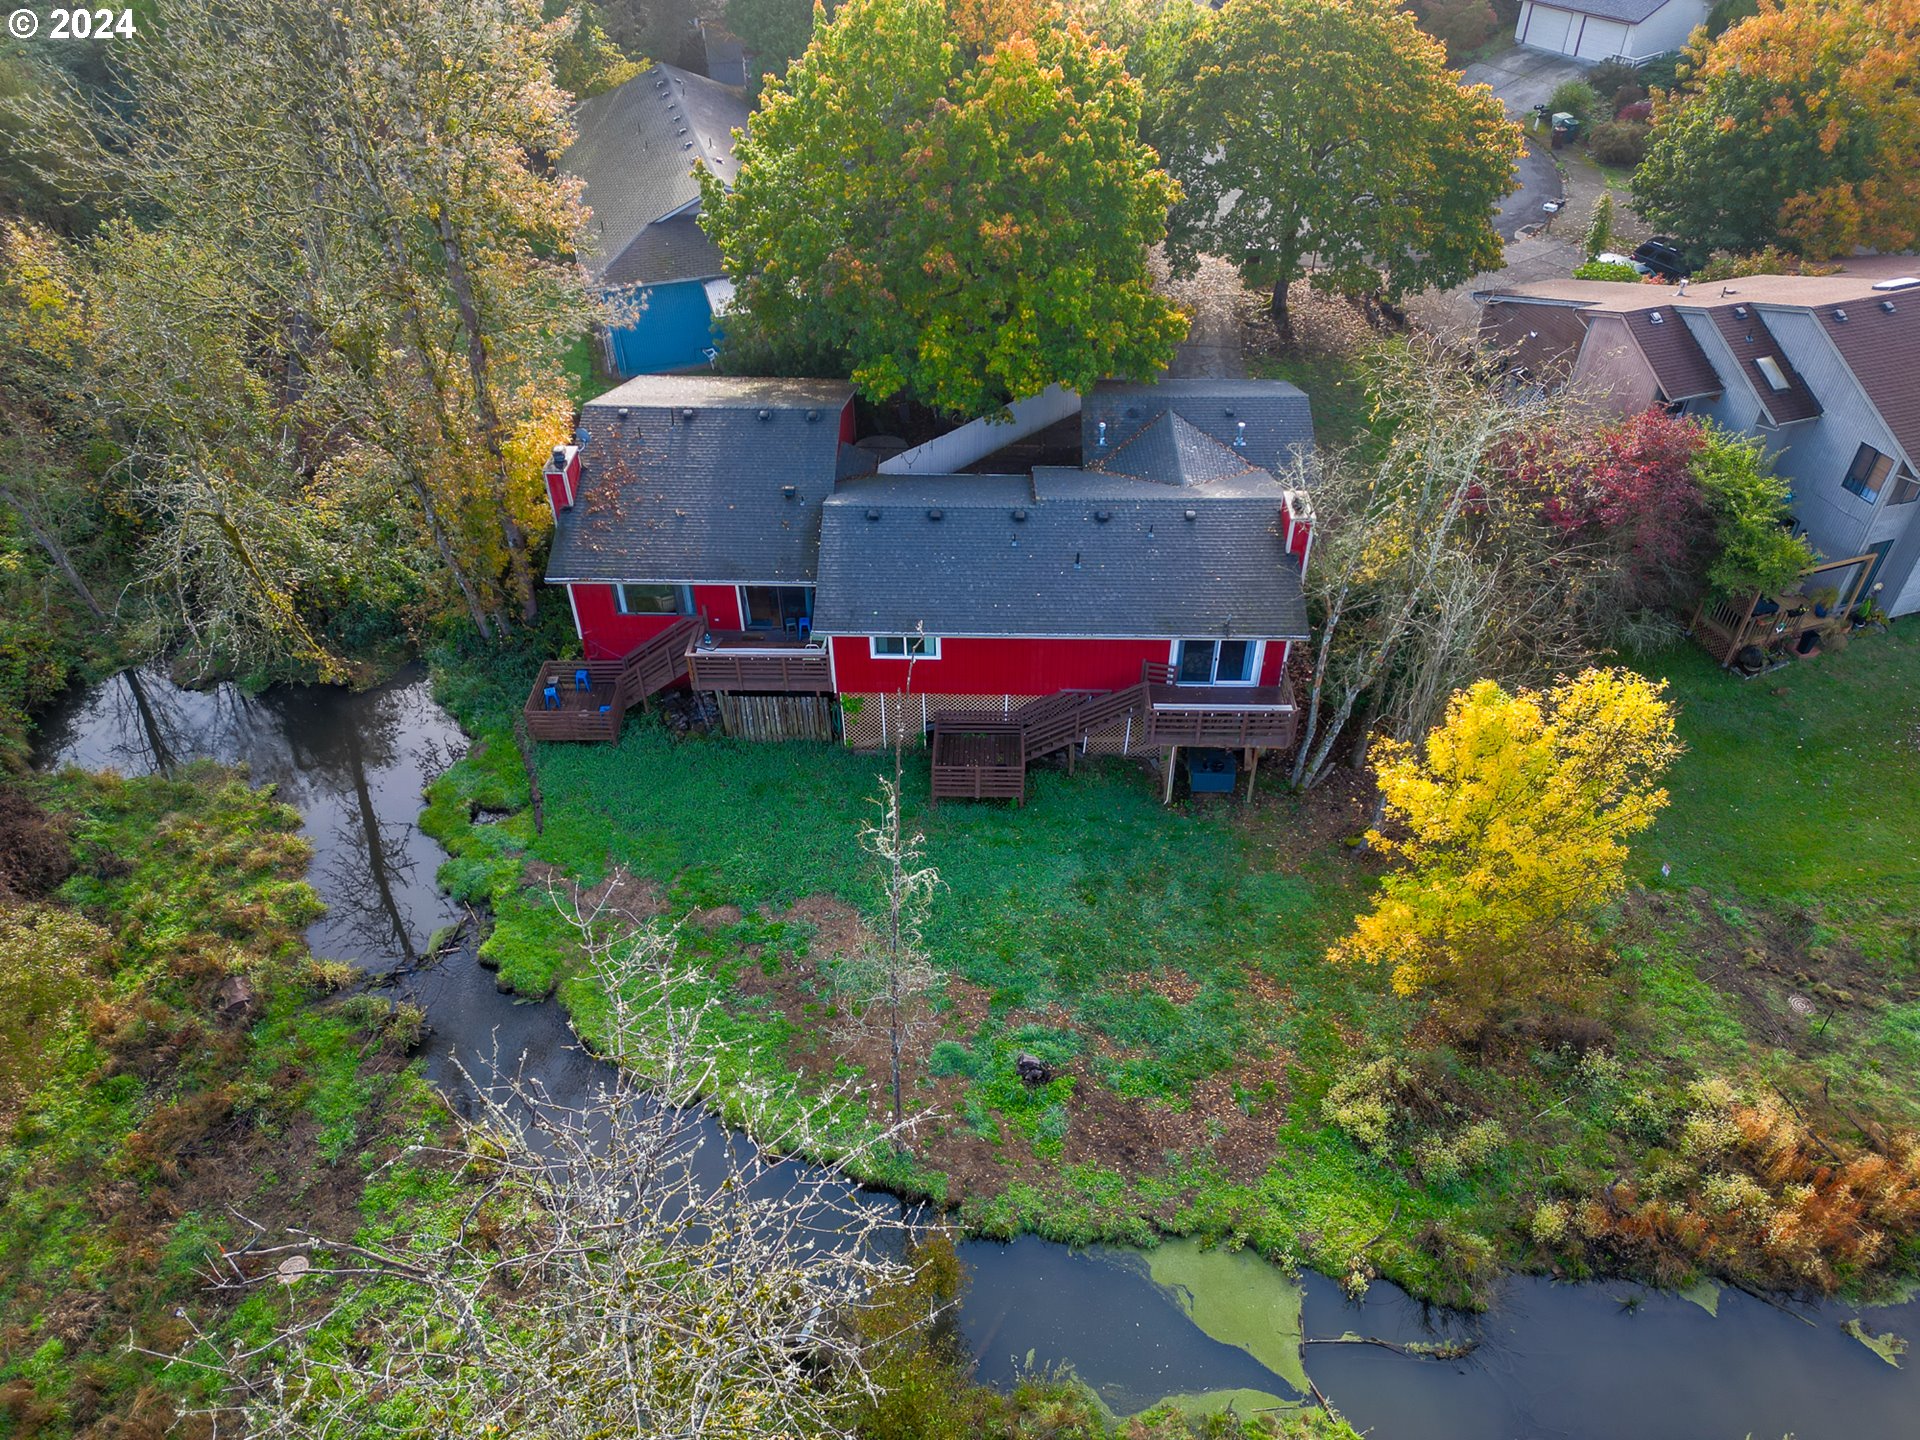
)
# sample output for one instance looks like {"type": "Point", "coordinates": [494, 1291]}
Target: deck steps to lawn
{"type": "Point", "coordinates": [586, 700]}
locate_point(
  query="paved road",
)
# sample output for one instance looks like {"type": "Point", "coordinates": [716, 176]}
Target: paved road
{"type": "Point", "coordinates": [1523, 79]}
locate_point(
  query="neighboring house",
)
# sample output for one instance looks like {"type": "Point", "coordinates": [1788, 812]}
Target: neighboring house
{"type": "Point", "coordinates": [727, 60]}
{"type": "Point", "coordinates": [1602, 29]}
{"type": "Point", "coordinates": [1172, 554]}
{"type": "Point", "coordinates": [1824, 369]}
{"type": "Point", "coordinates": [636, 150]}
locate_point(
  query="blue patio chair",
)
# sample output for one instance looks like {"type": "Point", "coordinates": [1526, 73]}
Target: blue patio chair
{"type": "Point", "coordinates": [806, 628]}
{"type": "Point", "coordinates": [582, 680]}
{"type": "Point", "coordinates": [550, 697]}
{"type": "Point", "coordinates": [606, 709]}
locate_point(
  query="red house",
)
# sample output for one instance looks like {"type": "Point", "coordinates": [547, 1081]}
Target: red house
{"type": "Point", "coordinates": [728, 533]}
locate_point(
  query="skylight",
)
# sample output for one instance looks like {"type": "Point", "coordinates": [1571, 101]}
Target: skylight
{"type": "Point", "coordinates": [1770, 367]}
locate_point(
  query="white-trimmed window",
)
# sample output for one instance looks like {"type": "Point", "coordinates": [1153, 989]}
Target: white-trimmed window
{"type": "Point", "coordinates": [1216, 662]}
{"type": "Point", "coordinates": [904, 647]}
{"type": "Point", "coordinates": [653, 599]}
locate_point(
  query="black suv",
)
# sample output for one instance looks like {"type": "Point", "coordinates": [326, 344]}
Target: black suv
{"type": "Point", "coordinates": [1662, 255]}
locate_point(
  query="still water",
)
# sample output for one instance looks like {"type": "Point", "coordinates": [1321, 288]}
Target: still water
{"type": "Point", "coordinates": [1554, 1362]}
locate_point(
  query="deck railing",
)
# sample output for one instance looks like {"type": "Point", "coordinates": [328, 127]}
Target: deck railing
{"type": "Point", "coordinates": [766, 668]}
{"type": "Point", "coordinates": [585, 700]}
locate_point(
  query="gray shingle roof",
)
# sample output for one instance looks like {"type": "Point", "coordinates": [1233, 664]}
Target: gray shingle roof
{"type": "Point", "coordinates": [1169, 451]}
{"type": "Point", "coordinates": [1631, 11]}
{"type": "Point", "coordinates": [636, 149]}
{"type": "Point", "coordinates": [1278, 418]}
{"type": "Point", "coordinates": [1010, 557]}
{"type": "Point", "coordinates": [1749, 338]}
{"type": "Point", "coordinates": [670, 496]}
{"type": "Point", "coordinates": [1677, 361]}
{"type": "Point", "coordinates": [668, 250]}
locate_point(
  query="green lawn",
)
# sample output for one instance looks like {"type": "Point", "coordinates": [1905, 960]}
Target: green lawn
{"type": "Point", "coordinates": [1801, 786]}
{"type": "Point", "coordinates": [1171, 963]}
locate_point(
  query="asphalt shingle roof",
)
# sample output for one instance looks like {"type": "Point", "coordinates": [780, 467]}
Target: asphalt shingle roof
{"type": "Point", "coordinates": [1278, 418]}
{"type": "Point", "coordinates": [1538, 339]}
{"type": "Point", "coordinates": [636, 149]}
{"type": "Point", "coordinates": [1882, 348]}
{"type": "Point", "coordinates": [997, 555]}
{"type": "Point", "coordinates": [665, 251]}
{"type": "Point", "coordinates": [686, 479]}
{"type": "Point", "coordinates": [1747, 336]}
{"type": "Point", "coordinates": [1677, 361]}
{"type": "Point", "coordinates": [1631, 11]}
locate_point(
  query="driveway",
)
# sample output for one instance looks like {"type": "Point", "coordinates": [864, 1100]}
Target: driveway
{"type": "Point", "coordinates": [1524, 78]}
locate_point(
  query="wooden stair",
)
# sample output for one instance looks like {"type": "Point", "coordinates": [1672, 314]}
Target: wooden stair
{"type": "Point", "coordinates": [613, 687]}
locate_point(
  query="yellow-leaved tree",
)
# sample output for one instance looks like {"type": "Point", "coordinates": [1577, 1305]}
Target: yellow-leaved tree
{"type": "Point", "coordinates": [1509, 827]}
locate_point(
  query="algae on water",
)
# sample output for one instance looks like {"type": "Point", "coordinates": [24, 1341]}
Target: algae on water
{"type": "Point", "coordinates": [1705, 1294]}
{"type": "Point", "coordinates": [1889, 1346]}
{"type": "Point", "coordinates": [1238, 1299]}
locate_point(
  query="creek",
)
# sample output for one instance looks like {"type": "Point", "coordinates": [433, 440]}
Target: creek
{"type": "Point", "coordinates": [1584, 1362]}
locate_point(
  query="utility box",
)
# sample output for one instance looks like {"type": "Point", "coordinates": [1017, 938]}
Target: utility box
{"type": "Point", "coordinates": [1211, 772]}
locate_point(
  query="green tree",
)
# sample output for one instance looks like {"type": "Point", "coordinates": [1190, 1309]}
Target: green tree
{"type": "Point", "coordinates": [1748, 501]}
{"type": "Point", "coordinates": [1798, 126]}
{"type": "Point", "coordinates": [775, 32]}
{"type": "Point", "coordinates": [1329, 138]}
{"type": "Point", "coordinates": [964, 219]}
{"type": "Point", "coordinates": [1600, 227]}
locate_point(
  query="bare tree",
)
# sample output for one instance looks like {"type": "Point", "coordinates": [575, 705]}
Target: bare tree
{"type": "Point", "coordinates": [624, 1266]}
{"type": "Point", "coordinates": [890, 980]}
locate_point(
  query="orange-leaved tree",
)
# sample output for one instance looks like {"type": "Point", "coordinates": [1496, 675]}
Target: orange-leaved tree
{"type": "Point", "coordinates": [1509, 826]}
{"type": "Point", "coordinates": [1799, 126]}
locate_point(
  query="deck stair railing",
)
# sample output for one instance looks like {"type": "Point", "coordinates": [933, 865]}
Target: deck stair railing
{"type": "Point", "coordinates": [975, 758]}
{"type": "Point", "coordinates": [586, 700]}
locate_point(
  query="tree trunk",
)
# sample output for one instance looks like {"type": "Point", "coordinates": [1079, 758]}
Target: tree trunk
{"type": "Point", "coordinates": [1282, 316]}
{"type": "Point", "coordinates": [57, 553]}
{"type": "Point", "coordinates": [448, 558]}
{"type": "Point", "coordinates": [520, 566]}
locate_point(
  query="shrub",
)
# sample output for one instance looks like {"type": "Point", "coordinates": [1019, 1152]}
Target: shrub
{"type": "Point", "coordinates": [1619, 142]}
{"type": "Point", "coordinates": [1445, 1158]}
{"type": "Point", "coordinates": [1637, 112]}
{"type": "Point", "coordinates": [1611, 75]}
{"type": "Point", "coordinates": [1600, 226]}
{"type": "Point", "coordinates": [1748, 502]}
{"type": "Point", "coordinates": [1772, 260]}
{"type": "Point", "coordinates": [1576, 98]}
{"type": "Point", "coordinates": [1361, 1103]}
{"type": "Point", "coordinates": [1607, 270]}
{"type": "Point", "coordinates": [1631, 97]}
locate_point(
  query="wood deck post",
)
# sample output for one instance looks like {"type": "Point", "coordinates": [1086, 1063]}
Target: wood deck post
{"type": "Point", "coordinates": [1173, 756]}
{"type": "Point", "coordinates": [1253, 769]}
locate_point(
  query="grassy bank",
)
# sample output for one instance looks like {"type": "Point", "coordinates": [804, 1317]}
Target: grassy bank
{"type": "Point", "coordinates": [199, 1069]}
{"type": "Point", "coordinates": [1212, 1070]}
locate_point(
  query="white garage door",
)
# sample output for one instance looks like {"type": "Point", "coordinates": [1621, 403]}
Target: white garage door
{"type": "Point", "coordinates": [1548, 29]}
{"type": "Point", "coordinates": [1597, 39]}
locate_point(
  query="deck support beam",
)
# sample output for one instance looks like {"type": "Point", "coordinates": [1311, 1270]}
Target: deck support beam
{"type": "Point", "coordinates": [1173, 758]}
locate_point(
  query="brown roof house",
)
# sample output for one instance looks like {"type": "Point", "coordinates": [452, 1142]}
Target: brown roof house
{"type": "Point", "coordinates": [1825, 369]}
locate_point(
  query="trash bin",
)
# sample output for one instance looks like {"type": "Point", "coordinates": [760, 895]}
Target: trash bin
{"type": "Point", "coordinates": [1565, 127]}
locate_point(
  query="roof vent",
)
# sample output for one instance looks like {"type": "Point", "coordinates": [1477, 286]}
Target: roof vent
{"type": "Point", "coordinates": [1133, 412]}
{"type": "Point", "coordinates": [1019, 515]}
{"type": "Point", "coordinates": [687, 414]}
{"type": "Point", "coordinates": [789, 491]}
{"type": "Point", "coordinates": [766, 414]}
{"type": "Point", "coordinates": [1193, 514]}
{"type": "Point", "coordinates": [1102, 440]}
{"type": "Point", "coordinates": [1076, 559]}
{"type": "Point", "coordinates": [812, 415]}
{"type": "Point", "coordinates": [622, 412]}
{"type": "Point", "coordinates": [559, 459]}
{"type": "Point", "coordinates": [1654, 317]}
{"type": "Point", "coordinates": [936, 513]}
{"type": "Point", "coordinates": [686, 144]}
{"type": "Point", "coordinates": [873, 514]}
{"type": "Point", "coordinates": [1741, 311]}
{"type": "Point", "coordinates": [1840, 316]}
{"type": "Point", "coordinates": [1229, 412]}
{"type": "Point", "coordinates": [1888, 306]}
{"type": "Point", "coordinates": [1240, 435]}
{"type": "Point", "coordinates": [1103, 516]}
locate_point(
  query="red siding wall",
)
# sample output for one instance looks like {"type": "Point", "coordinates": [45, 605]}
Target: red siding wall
{"type": "Point", "coordinates": [1013, 667]}
{"type": "Point", "coordinates": [607, 634]}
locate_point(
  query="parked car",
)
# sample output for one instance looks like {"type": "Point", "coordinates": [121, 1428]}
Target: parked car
{"type": "Point", "coordinates": [1662, 256]}
{"type": "Point", "coordinates": [1610, 257]}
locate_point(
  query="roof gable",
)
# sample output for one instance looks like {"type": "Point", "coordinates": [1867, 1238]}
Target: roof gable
{"type": "Point", "coordinates": [1747, 336]}
{"type": "Point", "coordinates": [1882, 348]}
{"type": "Point", "coordinates": [636, 148]}
{"type": "Point", "coordinates": [1278, 420]}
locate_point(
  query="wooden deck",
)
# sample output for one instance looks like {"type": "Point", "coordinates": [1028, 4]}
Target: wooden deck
{"type": "Point", "coordinates": [743, 661]}
{"type": "Point", "coordinates": [984, 761]}
{"type": "Point", "coordinates": [978, 759]}
{"type": "Point", "coordinates": [586, 700]}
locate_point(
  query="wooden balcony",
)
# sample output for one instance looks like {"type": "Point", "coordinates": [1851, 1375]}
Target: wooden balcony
{"type": "Point", "coordinates": [1231, 717]}
{"type": "Point", "coordinates": [757, 663]}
